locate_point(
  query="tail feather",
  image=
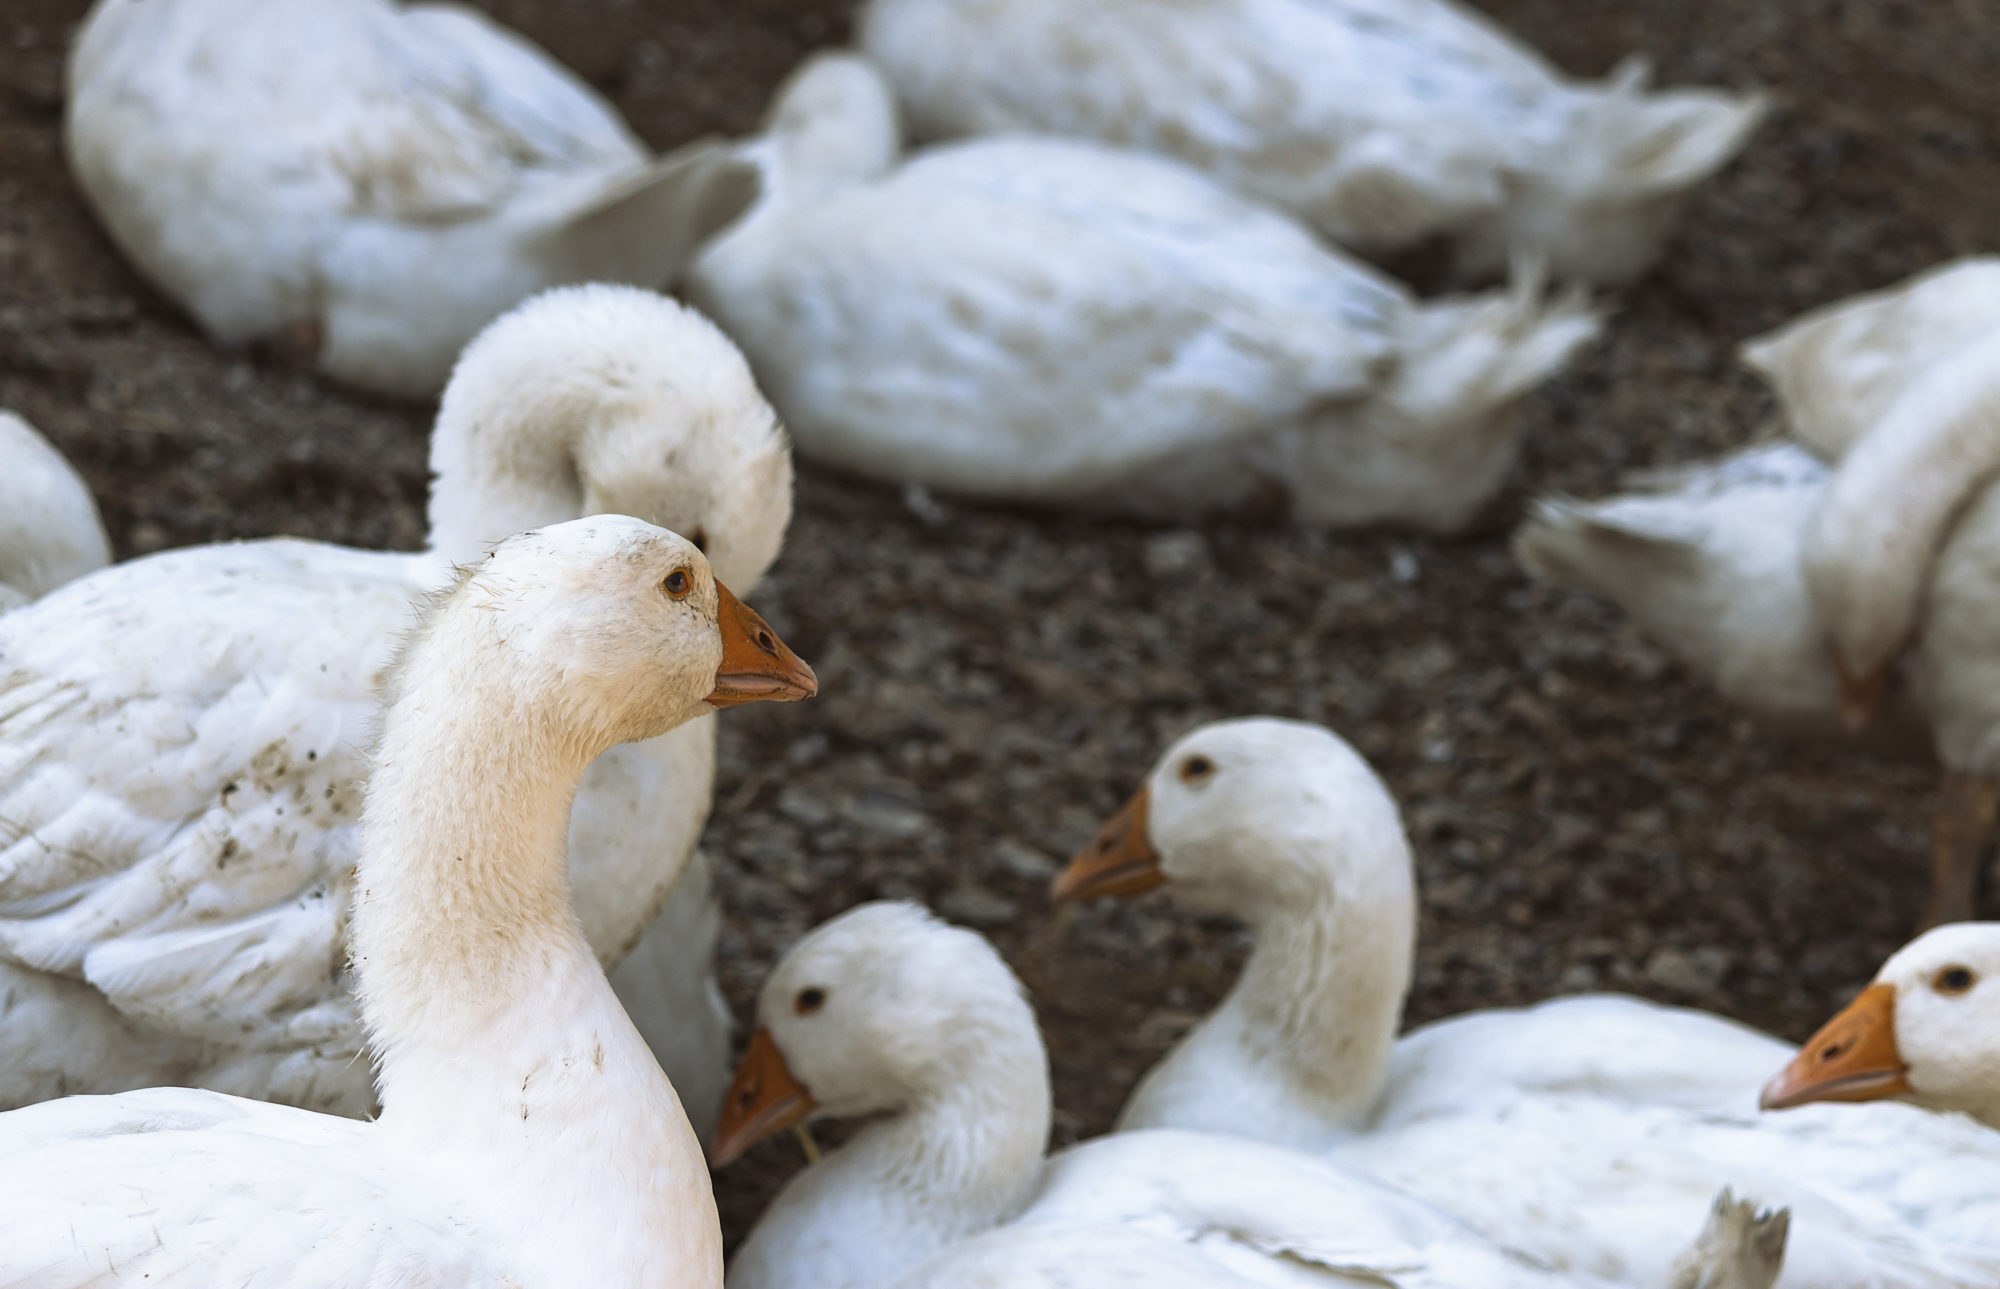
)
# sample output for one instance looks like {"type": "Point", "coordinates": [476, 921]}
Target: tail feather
{"type": "Point", "coordinates": [1741, 1247]}
{"type": "Point", "coordinates": [646, 225]}
{"type": "Point", "coordinates": [1665, 142]}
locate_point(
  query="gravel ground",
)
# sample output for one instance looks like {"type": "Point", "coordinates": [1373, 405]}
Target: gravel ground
{"type": "Point", "coordinates": [1585, 814]}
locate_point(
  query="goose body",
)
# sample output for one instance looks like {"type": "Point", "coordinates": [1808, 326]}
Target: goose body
{"type": "Point", "coordinates": [1862, 567]}
{"type": "Point", "coordinates": [527, 1136]}
{"type": "Point", "coordinates": [1590, 1133]}
{"type": "Point", "coordinates": [1378, 124]}
{"type": "Point", "coordinates": [885, 1012]}
{"type": "Point", "coordinates": [365, 183]}
{"type": "Point", "coordinates": [49, 528]}
{"type": "Point", "coordinates": [1061, 322]}
{"type": "Point", "coordinates": [183, 737]}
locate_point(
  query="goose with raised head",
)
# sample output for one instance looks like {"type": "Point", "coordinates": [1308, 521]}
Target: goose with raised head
{"type": "Point", "coordinates": [527, 1136]}
{"type": "Point", "coordinates": [887, 1014]}
{"type": "Point", "coordinates": [367, 184]}
{"type": "Point", "coordinates": [182, 736]}
{"type": "Point", "coordinates": [1589, 1132]}
{"type": "Point", "coordinates": [1122, 335]}
{"type": "Point", "coordinates": [1380, 124]}
{"type": "Point", "coordinates": [50, 532]}
{"type": "Point", "coordinates": [1812, 586]}
{"type": "Point", "coordinates": [1927, 1031]}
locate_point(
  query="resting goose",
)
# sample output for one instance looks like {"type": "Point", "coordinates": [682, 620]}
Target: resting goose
{"type": "Point", "coordinates": [1804, 596]}
{"type": "Point", "coordinates": [1588, 1132]}
{"type": "Point", "coordinates": [1927, 1031]}
{"type": "Point", "coordinates": [182, 736]}
{"type": "Point", "coordinates": [49, 529]}
{"type": "Point", "coordinates": [367, 184]}
{"type": "Point", "coordinates": [527, 1136]}
{"type": "Point", "coordinates": [1060, 322]}
{"type": "Point", "coordinates": [886, 1013]}
{"type": "Point", "coordinates": [1379, 123]}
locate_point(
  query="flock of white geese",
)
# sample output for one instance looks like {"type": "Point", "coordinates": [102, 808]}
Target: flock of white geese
{"type": "Point", "coordinates": [353, 930]}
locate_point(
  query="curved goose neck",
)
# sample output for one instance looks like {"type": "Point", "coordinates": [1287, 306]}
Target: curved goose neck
{"type": "Point", "coordinates": [1322, 997]}
{"type": "Point", "coordinates": [1892, 502]}
{"type": "Point", "coordinates": [504, 458]}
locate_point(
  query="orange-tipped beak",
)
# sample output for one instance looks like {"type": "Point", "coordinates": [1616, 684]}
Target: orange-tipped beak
{"type": "Point", "coordinates": [1121, 861]}
{"type": "Point", "coordinates": [756, 665]}
{"type": "Point", "coordinates": [763, 1101]}
{"type": "Point", "coordinates": [1860, 695]}
{"type": "Point", "coordinates": [1852, 1058]}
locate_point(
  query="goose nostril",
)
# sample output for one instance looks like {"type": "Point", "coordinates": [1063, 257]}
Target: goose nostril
{"type": "Point", "coordinates": [766, 642]}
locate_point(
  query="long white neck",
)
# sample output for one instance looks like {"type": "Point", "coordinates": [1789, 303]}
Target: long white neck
{"type": "Point", "coordinates": [1298, 1053]}
{"type": "Point", "coordinates": [504, 1057]}
{"type": "Point", "coordinates": [960, 1160]}
{"type": "Point", "coordinates": [1892, 501]}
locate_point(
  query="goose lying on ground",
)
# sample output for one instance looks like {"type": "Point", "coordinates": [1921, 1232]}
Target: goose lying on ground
{"type": "Point", "coordinates": [527, 1137]}
{"type": "Point", "coordinates": [49, 529]}
{"type": "Point", "coordinates": [1804, 595]}
{"type": "Point", "coordinates": [182, 736]}
{"type": "Point", "coordinates": [1059, 322]}
{"type": "Point", "coordinates": [1927, 1032]}
{"type": "Point", "coordinates": [1379, 124]}
{"type": "Point", "coordinates": [1589, 1132]}
{"type": "Point", "coordinates": [365, 183]}
{"type": "Point", "coordinates": [885, 1012]}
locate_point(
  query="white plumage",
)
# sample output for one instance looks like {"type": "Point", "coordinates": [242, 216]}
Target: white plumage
{"type": "Point", "coordinates": [49, 528]}
{"type": "Point", "coordinates": [1046, 320]}
{"type": "Point", "coordinates": [182, 737]}
{"type": "Point", "coordinates": [1378, 122]}
{"type": "Point", "coordinates": [367, 183]}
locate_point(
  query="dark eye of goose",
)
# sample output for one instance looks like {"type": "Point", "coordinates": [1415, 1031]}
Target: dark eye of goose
{"type": "Point", "coordinates": [678, 584]}
{"type": "Point", "coordinates": [809, 1001]}
{"type": "Point", "coordinates": [1954, 980]}
{"type": "Point", "coordinates": [1196, 768]}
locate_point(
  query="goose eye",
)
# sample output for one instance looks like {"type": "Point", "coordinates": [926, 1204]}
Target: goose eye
{"type": "Point", "coordinates": [678, 584]}
{"type": "Point", "coordinates": [809, 1001]}
{"type": "Point", "coordinates": [1954, 980]}
{"type": "Point", "coordinates": [1196, 769]}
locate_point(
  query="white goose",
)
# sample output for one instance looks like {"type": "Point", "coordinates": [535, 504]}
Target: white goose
{"type": "Point", "coordinates": [1053, 321]}
{"type": "Point", "coordinates": [1799, 587]}
{"type": "Point", "coordinates": [886, 1013]}
{"type": "Point", "coordinates": [1927, 1031]}
{"type": "Point", "coordinates": [527, 1137]}
{"type": "Point", "coordinates": [1588, 1132]}
{"type": "Point", "coordinates": [1379, 122]}
{"type": "Point", "coordinates": [181, 736]}
{"type": "Point", "coordinates": [364, 183]}
{"type": "Point", "coordinates": [49, 529]}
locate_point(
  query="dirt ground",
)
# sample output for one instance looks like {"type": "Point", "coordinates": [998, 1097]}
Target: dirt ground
{"type": "Point", "coordinates": [1586, 814]}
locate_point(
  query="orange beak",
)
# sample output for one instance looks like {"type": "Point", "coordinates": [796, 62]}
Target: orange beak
{"type": "Point", "coordinates": [763, 1101]}
{"type": "Point", "coordinates": [1859, 695]}
{"type": "Point", "coordinates": [1852, 1058]}
{"type": "Point", "coordinates": [756, 665]}
{"type": "Point", "coordinates": [1121, 861]}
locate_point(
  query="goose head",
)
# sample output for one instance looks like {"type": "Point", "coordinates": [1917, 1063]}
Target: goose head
{"type": "Point", "coordinates": [1252, 818]}
{"type": "Point", "coordinates": [623, 623]}
{"type": "Point", "coordinates": [831, 125]}
{"type": "Point", "coordinates": [1926, 1031]}
{"type": "Point", "coordinates": [879, 1011]}
{"type": "Point", "coordinates": [602, 399]}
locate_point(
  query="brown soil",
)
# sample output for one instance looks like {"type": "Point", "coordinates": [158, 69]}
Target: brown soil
{"type": "Point", "coordinates": [1586, 814]}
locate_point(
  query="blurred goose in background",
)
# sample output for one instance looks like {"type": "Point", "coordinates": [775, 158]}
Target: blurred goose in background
{"type": "Point", "coordinates": [1927, 1031]}
{"type": "Point", "coordinates": [49, 529]}
{"type": "Point", "coordinates": [1381, 123]}
{"type": "Point", "coordinates": [527, 1136]}
{"type": "Point", "coordinates": [183, 737]}
{"type": "Point", "coordinates": [1802, 587]}
{"type": "Point", "coordinates": [1589, 1132]}
{"type": "Point", "coordinates": [364, 184]}
{"type": "Point", "coordinates": [1055, 321]}
{"type": "Point", "coordinates": [886, 1013]}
